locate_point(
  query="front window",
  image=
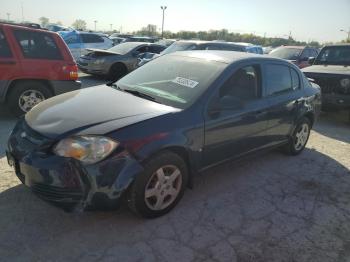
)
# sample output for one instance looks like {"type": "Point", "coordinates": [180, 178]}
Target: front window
{"type": "Point", "coordinates": [286, 53]}
{"type": "Point", "coordinates": [334, 55]}
{"type": "Point", "coordinates": [179, 46]}
{"type": "Point", "coordinates": [124, 48]}
{"type": "Point", "coordinates": [173, 80]}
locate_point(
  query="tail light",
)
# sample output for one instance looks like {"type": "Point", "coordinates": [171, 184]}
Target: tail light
{"type": "Point", "coordinates": [71, 71]}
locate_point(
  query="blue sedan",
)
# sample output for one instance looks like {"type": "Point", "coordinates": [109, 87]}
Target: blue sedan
{"type": "Point", "coordinates": [146, 136]}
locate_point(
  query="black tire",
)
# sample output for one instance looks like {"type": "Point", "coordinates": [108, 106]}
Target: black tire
{"type": "Point", "coordinates": [291, 148]}
{"type": "Point", "coordinates": [117, 71]}
{"type": "Point", "coordinates": [136, 194]}
{"type": "Point", "coordinates": [19, 89]}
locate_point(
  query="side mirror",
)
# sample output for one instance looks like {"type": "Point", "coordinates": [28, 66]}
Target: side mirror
{"type": "Point", "coordinates": [311, 60]}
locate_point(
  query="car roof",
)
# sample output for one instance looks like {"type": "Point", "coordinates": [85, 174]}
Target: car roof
{"type": "Point", "coordinates": [227, 57]}
{"type": "Point", "coordinates": [25, 27]}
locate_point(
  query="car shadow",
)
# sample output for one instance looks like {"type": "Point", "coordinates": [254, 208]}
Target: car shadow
{"type": "Point", "coordinates": [231, 200]}
{"type": "Point", "coordinates": [335, 125]}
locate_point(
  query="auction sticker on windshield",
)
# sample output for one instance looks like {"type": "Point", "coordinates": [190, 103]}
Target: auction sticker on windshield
{"type": "Point", "coordinates": [185, 82]}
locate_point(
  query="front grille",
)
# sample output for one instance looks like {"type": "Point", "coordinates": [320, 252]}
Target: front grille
{"type": "Point", "coordinates": [57, 194]}
{"type": "Point", "coordinates": [331, 85]}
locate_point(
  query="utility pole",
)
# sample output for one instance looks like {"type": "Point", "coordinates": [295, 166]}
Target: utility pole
{"type": "Point", "coordinates": [347, 32]}
{"type": "Point", "coordinates": [95, 24]}
{"type": "Point", "coordinates": [163, 9]}
{"type": "Point", "coordinates": [8, 17]}
{"type": "Point", "coordinates": [111, 27]}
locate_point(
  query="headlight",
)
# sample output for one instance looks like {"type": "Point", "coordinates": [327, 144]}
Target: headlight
{"type": "Point", "coordinates": [87, 149]}
{"type": "Point", "coordinates": [345, 82]}
{"type": "Point", "coordinates": [99, 61]}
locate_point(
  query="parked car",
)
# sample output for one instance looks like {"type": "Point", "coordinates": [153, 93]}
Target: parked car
{"type": "Point", "coordinates": [331, 71]}
{"type": "Point", "coordinates": [117, 40]}
{"type": "Point", "coordinates": [146, 39]}
{"type": "Point", "coordinates": [250, 48]}
{"type": "Point", "coordinates": [147, 135]}
{"type": "Point", "coordinates": [57, 28]}
{"type": "Point", "coordinates": [298, 55]}
{"type": "Point", "coordinates": [166, 42]}
{"type": "Point", "coordinates": [34, 65]}
{"type": "Point", "coordinates": [79, 41]}
{"type": "Point", "coordinates": [116, 61]}
{"type": "Point", "coordinates": [184, 45]}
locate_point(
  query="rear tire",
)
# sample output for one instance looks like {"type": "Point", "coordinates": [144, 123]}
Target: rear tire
{"type": "Point", "coordinates": [25, 95]}
{"type": "Point", "coordinates": [160, 187]}
{"type": "Point", "coordinates": [117, 71]}
{"type": "Point", "coordinates": [299, 138]}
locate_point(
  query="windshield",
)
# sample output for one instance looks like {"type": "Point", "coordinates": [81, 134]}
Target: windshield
{"type": "Point", "coordinates": [334, 55]}
{"type": "Point", "coordinates": [123, 48]}
{"type": "Point", "coordinates": [179, 46]}
{"type": "Point", "coordinates": [286, 53]}
{"type": "Point", "coordinates": [173, 80]}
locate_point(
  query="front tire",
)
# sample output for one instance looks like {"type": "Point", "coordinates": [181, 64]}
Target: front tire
{"type": "Point", "coordinates": [299, 138]}
{"type": "Point", "coordinates": [117, 71]}
{"type": "Point", "coordinates": [25, 95]}
{"type": "Point", "coordinates": [160, 187]}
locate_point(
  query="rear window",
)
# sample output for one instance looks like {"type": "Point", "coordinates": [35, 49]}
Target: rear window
{"type": "Point", "coordinates": [5, 51]}
{"type": "Point", "coordinates": [280, 79]}
{"type": "Point", "coordinates": [37, 45]}
{"type": "Point", "coordinates": [91, 38]}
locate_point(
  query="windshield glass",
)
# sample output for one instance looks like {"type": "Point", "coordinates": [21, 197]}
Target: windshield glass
{"type": "Point", "coordinates": [123, 48]}
{"type": "Point", "coordinates": [286, 53]}
{"type": "Point", "coordinates": [179, 46]}
{"type": "Point", "coordinates": [334, 55]}
{"type": "Point", "coordinates": [173, 80]}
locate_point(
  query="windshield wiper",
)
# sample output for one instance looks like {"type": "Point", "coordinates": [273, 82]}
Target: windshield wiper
{"type": "Point", "coordinates": [140, 94]}
{"type": "Point", "coordinates": [134, 92]}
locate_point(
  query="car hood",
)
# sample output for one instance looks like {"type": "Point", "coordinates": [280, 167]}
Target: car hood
{"type": "Point", "coordinates": [102, 51]}
{"type": "Point", "coordinates": [87, 109]}
{"type": "Point", "coordinates": [327, 69]}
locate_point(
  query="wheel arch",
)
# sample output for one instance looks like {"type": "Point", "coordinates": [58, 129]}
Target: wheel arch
{"type": "Point", "coordinates": [15, 82]}
{"type": "Point", "coordinates": [185, 155]}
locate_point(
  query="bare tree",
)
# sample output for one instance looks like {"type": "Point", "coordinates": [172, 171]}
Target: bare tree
{"type": "Point", "coordinates": [44, 21]}
{"type": "Point", "coordinates": [79, 24]}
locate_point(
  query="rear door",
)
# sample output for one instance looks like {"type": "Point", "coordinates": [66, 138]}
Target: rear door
{"type": "Point", "coordinates": [233, 132]}
{"type": "Point", "coordinates": [283, 92]}
{"type": "Point", "coordinates": [8, 64]}
{"type": "Point", "coordinates": [41, 57]}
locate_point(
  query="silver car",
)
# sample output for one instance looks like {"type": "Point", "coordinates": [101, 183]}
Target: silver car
{"type": "Point", "coordinates": [116, 61]}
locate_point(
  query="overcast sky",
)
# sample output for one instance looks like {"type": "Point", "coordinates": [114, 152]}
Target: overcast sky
{"type": "Point", "coordinates": [319, 20]}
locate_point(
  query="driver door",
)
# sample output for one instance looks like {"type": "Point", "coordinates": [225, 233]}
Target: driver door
{"type": "Point", "coordinates": [237, 130]}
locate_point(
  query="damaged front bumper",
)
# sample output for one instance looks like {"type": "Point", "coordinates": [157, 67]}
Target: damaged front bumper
{"type": "Point", "coordinates": [66, 182]}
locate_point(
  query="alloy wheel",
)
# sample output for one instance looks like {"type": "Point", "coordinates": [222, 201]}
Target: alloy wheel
{"type": "Point", "coordinates": [29, 98]}
{"type": "Point", "coordinates": [301, 136]}
{"type": "Point", "coordinates": [163, 187]}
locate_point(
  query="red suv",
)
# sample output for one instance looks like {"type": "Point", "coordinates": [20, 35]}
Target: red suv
{"type": "Point", "coordinates": [34, 65]}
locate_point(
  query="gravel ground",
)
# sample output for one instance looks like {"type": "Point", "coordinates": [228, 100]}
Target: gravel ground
{"type": "Point", "coordinates": [278, 209]}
